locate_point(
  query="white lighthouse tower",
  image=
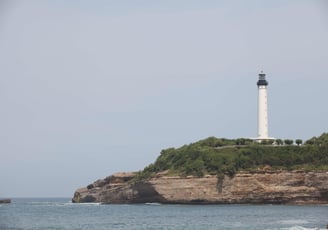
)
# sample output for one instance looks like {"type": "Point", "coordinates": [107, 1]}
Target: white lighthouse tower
{"type": "Point", "coordinates": [263, 130]}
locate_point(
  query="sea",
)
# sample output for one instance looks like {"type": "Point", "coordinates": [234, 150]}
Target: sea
{"type": "Point", "coordinates": [61, 213]}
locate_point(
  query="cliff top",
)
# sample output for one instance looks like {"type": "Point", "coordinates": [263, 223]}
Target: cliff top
{"type": "Point", "coordinates": [218, 156]}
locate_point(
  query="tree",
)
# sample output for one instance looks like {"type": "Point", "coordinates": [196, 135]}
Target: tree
{"type": "Point", "coordinates": [298, 142]}
{"type": "Point", "coordinates": [309, 142]}
{"type": "Point", "coordinates": [279, 142]}
{"type": "Point", "coordinates": [270, 142]}
{"type": "Point", "coordinates": [288, 142]}
{"type": "Point", "coordinates": [240, 141]}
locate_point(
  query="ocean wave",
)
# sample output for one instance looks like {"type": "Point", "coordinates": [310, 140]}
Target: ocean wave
{"type": "Point", "coordinates": [297, 227]}
{"type": "Point", "coordinates": [83, 204]}
{"type": "Point", "coordinates": [63, 204]}
{"type": "Point", "coordinates": [294, 222]}
{"type": "Point", "coordinates": [42, 203]}
{"type": "Point", "coordinates": [153, 203]}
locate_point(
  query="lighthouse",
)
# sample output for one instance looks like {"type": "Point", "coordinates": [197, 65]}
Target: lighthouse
{"type": "Point", "coordinates": [263, 130]}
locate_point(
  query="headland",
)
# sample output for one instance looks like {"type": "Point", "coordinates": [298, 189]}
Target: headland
{"type": "Point", "coordinates": [223, 171]}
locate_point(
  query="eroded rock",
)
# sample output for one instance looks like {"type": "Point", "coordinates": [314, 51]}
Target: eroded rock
{"type": "Point", "coordinates": [265, 186]}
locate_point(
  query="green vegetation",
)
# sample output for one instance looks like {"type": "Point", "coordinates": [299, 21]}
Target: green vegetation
{"type": "Point", "coordinates": [288, 142]}
{"type": "Point", "coordinates": [218, 156]}
{"type": "Point", "coordinates": [298, 142]}
{"type": "Point", "coordinates": [279, 142]}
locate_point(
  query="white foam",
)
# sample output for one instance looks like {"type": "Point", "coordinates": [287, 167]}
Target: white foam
{"type": "Point", "coordinates": [83, 204]}
{"type": "Point", "coordinates": [294, 222]}
{"type": "Point", "coordinates": [47, 203]}
{"type": "Point", "coordinates": [296, 227]}
{"type": "Point", "coordinates": [153, 203]}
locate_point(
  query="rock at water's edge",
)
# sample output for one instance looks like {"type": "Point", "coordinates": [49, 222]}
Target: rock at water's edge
{"type": "Point", "coordinates": [5, 201]}
{"type": "Point", "coordinates": [261, 187]}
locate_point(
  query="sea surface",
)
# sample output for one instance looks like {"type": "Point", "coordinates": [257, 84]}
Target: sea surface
{"type": "Point", "coordinates": [60, 213]}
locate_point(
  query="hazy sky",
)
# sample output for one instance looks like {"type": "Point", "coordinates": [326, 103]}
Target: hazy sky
{"type": "Point", "coordinates": [89, 88]}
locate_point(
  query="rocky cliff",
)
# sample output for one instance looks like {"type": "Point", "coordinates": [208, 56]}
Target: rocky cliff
{"type": "Point", "coordinates": [260, 187]}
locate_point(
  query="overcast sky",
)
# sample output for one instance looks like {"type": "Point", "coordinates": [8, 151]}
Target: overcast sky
{"type": "Point", "coordinates": [89, 88]}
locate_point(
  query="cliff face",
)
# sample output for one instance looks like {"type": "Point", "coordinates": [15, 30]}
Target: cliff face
{"type": "Point", "coordinates": [275, 187]}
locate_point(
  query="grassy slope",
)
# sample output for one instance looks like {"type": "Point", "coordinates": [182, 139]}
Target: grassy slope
{"type": "Point", "coordinates": [223, 156]}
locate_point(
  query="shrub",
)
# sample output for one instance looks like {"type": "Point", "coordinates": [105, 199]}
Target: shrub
{"type": "Point", "coordinates": [288, 142]}
{"type": "Point", "coordinates": [204, 157]}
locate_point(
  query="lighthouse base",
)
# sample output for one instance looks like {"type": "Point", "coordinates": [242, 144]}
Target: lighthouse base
{"type": "Point", "coordinates": [263, 139]}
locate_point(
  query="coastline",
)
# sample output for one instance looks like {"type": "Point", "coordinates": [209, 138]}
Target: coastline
{"type": "Point", "coordinates": [262, 187]}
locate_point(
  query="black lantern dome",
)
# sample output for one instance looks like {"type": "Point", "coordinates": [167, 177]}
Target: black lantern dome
{"type": "Point", "coordinates": [262, 80]}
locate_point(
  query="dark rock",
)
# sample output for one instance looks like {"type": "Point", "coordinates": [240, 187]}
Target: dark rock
{"type": "Point", "coordinates": [90, 186]}
{"type": "Point", "coordinates": [88, 199]}
{"type": "Point", "coordinates": [5, 201]}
